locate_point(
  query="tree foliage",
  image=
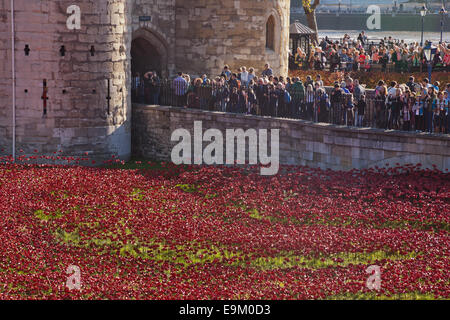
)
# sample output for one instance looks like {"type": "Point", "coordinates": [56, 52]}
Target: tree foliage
{"type": "Point", "coordinates": [309, 6]}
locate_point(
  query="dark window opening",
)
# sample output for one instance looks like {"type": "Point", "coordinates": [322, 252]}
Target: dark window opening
{"type": "Point", "coordinates": [270, 33]}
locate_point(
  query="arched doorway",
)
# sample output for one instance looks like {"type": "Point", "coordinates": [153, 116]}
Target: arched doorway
{"type": "Point", "coordinates": [145, 57]}
{"type": "Point", "coordinates": [149, 52]}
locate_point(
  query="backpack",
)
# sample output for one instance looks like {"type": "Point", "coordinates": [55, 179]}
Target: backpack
{"type": "Point", "coordinates": [287, 97]}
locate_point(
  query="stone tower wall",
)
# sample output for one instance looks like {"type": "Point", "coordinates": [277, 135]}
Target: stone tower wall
{"type": "Point", "coordinates": [198, 37]}
{"type": "Point", "coordinates": [211, 33]}
{"type": "Point", "coordinates": [193, 36]}
{"type": "Point", "coordinates": [159, 31]}
{"type": "Point", "coordinates": [77, 119]}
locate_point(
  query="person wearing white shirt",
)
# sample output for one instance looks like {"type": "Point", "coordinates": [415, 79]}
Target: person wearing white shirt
{"type": "Point", "coordinates": [244, 77]}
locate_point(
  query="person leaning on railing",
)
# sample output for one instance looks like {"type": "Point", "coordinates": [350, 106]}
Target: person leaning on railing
{"type": "Point", "coordinates": [380, 104]}
{"type": "Point", "coordinates": [447, 111]}
{"type": "Point", "coordinates": [207, 100]}
{"type": "Point", "coordinates": [222, 94]}
{"type": "Point", "coordinates": [322, 105]}
{"type": "Point", "coordinates": [136, 86]}
{"type": "Point", "coordinates": [336, 97]}
{"type": "Point", "coordinates": [283, 101]}
{"type": "Point", "coordinates": [391, 94]}
{"type": "Point", "coordinates": [397, 106]}
{"type": "Point", "coordinates": [297, 92]}
{"type": "Point", "coordinates": [148, 94]}
{"type": "Point", "coordinates": [153, 83]}
{"type": "Point", "coordinates": [347, 103]}
{"type": "Point", "coordinates": [193, 94]}
{"type": "Point", "coordinates": [309, 103]}
{"type": "Point", "coordinates": [273, 100]}
{"type": "Point", "coordinates": [243, 100]}
{"type": "Point", "coordinates": [418, 112]}
{"type": "Point", "coordinates": [429, 100]}
{"type": "Point", "coordinates": [259, 92]}
{"type": "Point", "coordinates": [252, 103]}
{"type": "Point", "coordinates": [407, 112]}
{"type": "Point", "coordinates": [266, 98]}
{"type": "Point", "coordinates": [360, 110]}
{"type": "Point", "coordinates": [440, 114]}
{"type": "Point", "coordinates": [180, 87]}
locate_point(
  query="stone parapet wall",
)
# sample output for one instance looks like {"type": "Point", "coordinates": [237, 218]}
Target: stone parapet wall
{"type": "Point", "coordinates": [301, 142]}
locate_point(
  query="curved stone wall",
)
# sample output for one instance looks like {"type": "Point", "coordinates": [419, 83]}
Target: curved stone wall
{"type": "Point", "coordinates": [75, 65]}
{"type": "Point", "coordinates": [301, 142]}
{"type": "Point", "coordinates": [85, 72]}
{"type": "Point", "coordinates": [212, 33]}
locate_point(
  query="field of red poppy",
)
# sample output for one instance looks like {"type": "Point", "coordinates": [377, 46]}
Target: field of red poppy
{"type": "Point", "coordinates": [164, 232]}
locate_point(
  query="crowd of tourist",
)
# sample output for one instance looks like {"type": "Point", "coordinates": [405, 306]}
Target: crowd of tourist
{"type": "Point", "coordinates": [415, 105]}
{"type": "Point", "coordinates": [358, 54]}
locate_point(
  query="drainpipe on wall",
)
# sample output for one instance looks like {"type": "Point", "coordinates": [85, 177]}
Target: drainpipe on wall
{"type": "Point", "coordinates": [13, 64]}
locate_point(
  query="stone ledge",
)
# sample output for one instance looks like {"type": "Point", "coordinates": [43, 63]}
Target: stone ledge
{"type": "Point", "coordinates": [301, 142]}
{"type": "Point", "coordinates": [303, 123]}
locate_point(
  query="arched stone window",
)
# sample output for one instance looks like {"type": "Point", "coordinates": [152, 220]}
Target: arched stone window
{"type": "Point", "coordinates": [270, 33]}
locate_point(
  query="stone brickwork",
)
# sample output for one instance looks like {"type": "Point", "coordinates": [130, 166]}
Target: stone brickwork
{"type": "Point", "coordinates": [211, 33]}
{"type": "Point", "coordinates": [201, 36]}
{"type": "Point", "coordinates": [301, 142]}
{"type": "Point", "coordinates": [159, 31]}
{"type": "Point", "coordinates": [193, 36]}
{"type": "Point", "coordinates": [77, 119]}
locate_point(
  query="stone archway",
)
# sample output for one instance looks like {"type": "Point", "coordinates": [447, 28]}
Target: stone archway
{"type": "Point", "coordinates": [149, 52]}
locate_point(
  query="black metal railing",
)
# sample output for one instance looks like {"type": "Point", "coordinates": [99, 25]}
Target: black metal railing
{"type": "Point", "coordinates": [341, 109]}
